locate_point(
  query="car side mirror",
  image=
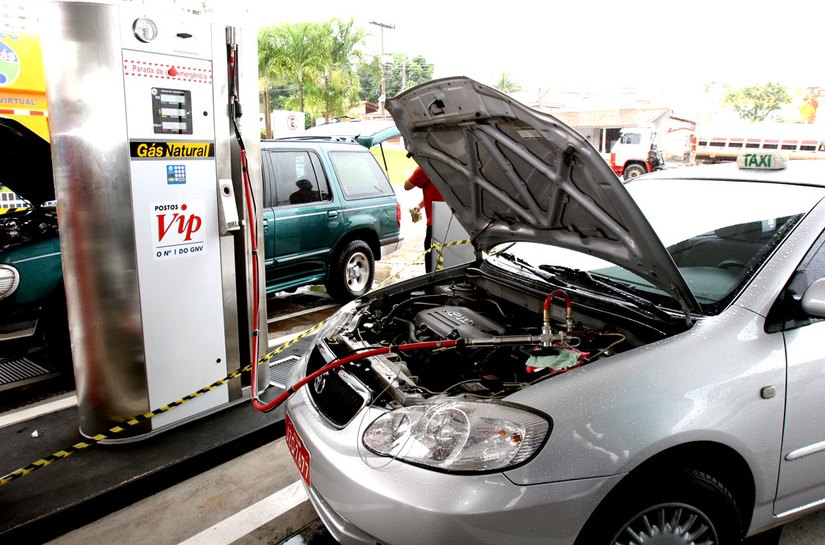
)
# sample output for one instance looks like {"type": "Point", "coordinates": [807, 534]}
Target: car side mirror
{"type": "Point", "coordinates": [813, 301]}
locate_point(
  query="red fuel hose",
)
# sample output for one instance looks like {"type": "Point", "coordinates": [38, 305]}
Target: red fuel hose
{"type": "Point", "coordinates": [568, 304]}
{"type": "Point", "coordinates": [343, 361]}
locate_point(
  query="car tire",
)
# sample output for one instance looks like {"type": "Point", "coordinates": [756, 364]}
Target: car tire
{"type": "Point", "coordinates": [351, 272]}
{"type": "Point", "coordinates": [667, 509]}
{"type": "Point", "coordinates": [633, 170]}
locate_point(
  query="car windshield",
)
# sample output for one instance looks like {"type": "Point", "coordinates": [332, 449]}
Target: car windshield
{"type": "Point", "coordinates": [718, 233]}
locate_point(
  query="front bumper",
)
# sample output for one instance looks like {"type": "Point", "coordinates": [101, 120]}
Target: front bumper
{"type": "Point", "coordinates": [368, 499]}
{"type": "Point", "coordinates": [18, 323]}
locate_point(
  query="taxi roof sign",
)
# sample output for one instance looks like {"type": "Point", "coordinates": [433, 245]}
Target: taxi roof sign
{"type": "Point", "coordinates": [764, 160]}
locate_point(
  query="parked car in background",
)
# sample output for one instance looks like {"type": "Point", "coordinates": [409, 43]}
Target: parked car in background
{"type": "Point", "coordinates": [32, 299]}
{"type": "Point", "coordinates": [329, 212]}
{"type": "Point", "coordinates": [624, 363]}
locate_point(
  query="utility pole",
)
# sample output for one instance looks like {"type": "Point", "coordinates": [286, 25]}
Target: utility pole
{"type": "Point", "coordinates": [383, 97]}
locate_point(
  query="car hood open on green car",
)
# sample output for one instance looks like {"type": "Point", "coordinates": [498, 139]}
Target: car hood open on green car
{"type": "Point", "coordinates": [511, 174]}
{"type": "Point", "coordinates": [27, 162]}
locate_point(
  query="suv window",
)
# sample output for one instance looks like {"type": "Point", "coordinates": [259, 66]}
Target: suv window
{"type": "Point", "coordinates": [360, 175]}
{"type": "Point", "coordinates": [296, 177]}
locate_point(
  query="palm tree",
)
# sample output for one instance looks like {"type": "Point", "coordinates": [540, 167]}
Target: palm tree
{"type": "Point", "coordinates": [339, 83]}
{"type": "Point", "coordinates": [266, 47]}
{"type": "Point", "coordinates": [295, 53]}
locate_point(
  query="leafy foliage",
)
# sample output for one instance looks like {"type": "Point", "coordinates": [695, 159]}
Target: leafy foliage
{"type": "Point", "coordinates": [506, 84]}
{"type": "Point", "coordinates": [756, 102]}
{"type": "Point", "coordinates": [406, 72]}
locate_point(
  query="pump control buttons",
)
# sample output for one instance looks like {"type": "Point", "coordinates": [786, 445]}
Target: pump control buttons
{"type": "Point", "coordinates": [145, 29]}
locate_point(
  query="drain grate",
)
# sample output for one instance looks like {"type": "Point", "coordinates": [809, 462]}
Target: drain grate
{"type": "Point", "coordinates": [20, 371]}
{"type": "Point", "coordinates": [280, 370]}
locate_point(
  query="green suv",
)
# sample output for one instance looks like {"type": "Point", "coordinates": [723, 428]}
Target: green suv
{"type": "Point", "coordinates": [328, 213]}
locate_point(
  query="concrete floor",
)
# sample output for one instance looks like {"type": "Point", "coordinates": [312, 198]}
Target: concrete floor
{"type": "Point", "coordinates": [254, 499]}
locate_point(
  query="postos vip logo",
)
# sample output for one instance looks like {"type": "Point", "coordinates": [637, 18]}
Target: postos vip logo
{"type": "Point", "coordinates": [9, 65]}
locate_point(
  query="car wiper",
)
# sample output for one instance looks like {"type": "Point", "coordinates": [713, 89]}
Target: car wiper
{"type": "Point", "coordinates": [524, 265]}
{"type": "Point", "coordinates": [612, 287]}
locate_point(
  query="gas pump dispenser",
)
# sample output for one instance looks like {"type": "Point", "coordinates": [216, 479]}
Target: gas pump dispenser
{"type": "Point", "coordinates": [153, 226]}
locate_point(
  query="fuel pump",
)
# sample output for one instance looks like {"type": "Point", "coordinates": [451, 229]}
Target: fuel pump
{"type": "Point", "coordinates": [154, 227]}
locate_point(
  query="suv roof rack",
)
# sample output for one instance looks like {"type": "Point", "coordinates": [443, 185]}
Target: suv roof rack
{"type": "Point", "coordinates": [313, 138]}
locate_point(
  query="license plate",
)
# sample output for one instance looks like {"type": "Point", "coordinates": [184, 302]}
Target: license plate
{"type": "Point", "coordinates": [298, 450]}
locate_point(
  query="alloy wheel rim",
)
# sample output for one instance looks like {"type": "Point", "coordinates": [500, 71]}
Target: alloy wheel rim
{"type": "Point", "coordinates": [357, 272]}
{"type": "Point", "coordinates": [668, 524]}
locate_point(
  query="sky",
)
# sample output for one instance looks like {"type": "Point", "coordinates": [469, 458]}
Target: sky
{"type": "Point", "coordinates": [670, 47]}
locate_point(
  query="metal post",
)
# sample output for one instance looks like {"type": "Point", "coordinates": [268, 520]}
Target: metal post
{"type": "Point", "coordinates": [383, 96]}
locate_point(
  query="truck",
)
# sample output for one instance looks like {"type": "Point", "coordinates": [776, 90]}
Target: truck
{"type": "Point", "coordinates": [720, 142]}
{"type": "Point", "coordinates": [636, 152]}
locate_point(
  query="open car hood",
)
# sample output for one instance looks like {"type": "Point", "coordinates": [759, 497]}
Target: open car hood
{"type": "Point", "coordinates": [27, 162]}
{"type": "Point", "coordinates": [510, 173]}
{"type": "Point", "coordinates": [367, 133]}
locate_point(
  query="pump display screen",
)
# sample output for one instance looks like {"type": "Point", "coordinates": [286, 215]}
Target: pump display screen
{"type": "Point", "coordinates": [171, 111]}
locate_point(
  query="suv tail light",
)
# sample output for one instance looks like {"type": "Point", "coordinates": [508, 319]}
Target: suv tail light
{"type": "Point", "coordinates": [398, 212]}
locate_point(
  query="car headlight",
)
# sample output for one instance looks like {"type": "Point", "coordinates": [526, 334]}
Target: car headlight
{"type": "Point", "coordinates": [9, 280]}
{"type": "Point", "coordinates": [459, 436]}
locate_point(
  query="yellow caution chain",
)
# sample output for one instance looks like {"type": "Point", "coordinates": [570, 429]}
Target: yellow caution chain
{"type": "Point", "coordinates": [137, 419]}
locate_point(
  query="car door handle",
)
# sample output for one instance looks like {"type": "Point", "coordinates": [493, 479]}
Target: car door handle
{"type": "Point", "coordinates": [332, 213]}
{"type": "Point", "coordinates": [266, 224]}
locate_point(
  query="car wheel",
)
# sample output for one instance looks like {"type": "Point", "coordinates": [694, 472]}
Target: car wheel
{"type": "Point", "coordinates": [690, 508]}
{"type": "Point", "coordinates": [631, 171]}
{"type": "Point", "coordinates": [351, 272]}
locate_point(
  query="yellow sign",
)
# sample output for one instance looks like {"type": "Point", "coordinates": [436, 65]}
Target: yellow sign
{"type": "Point", "coordinates": [22, 83]}
{"type": "Point", "coordinates": [182, 150]}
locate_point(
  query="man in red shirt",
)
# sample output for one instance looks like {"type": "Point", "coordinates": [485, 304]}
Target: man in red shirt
{"type": "Point", "coordinates": [431, 194]}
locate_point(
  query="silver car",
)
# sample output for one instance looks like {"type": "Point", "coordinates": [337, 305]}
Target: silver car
{"type": "Point", "coordinates": [622, 364]}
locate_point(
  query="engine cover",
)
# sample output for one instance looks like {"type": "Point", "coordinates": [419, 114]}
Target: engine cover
{"type": "Point", "coordinates": [449, 321]}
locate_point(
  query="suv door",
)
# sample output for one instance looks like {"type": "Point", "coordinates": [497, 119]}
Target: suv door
{"type": "Point", "coordinates": [370, 199]}
{"type": "Point", "coordinates": [301, 218]}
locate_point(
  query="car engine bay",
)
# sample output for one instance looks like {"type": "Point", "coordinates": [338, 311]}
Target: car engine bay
{"type": "Point", "coordinates": [508, 346]}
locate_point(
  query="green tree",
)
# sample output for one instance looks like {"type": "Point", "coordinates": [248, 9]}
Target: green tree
{"type": "Point", "coordinates": [756, 102]}
{"type": "Point", "coordinates": [506, 84]}
{"type": "Point", "coordinates": [406, 72]}
{"type": "Point", "coordinates": [369, 74]}
{"type": "Point", "coordinates": [292, 53]}
{"type": "Point", "coordinates": [266, 42]}
{"type": "Point", "coordinates": [336, 89]}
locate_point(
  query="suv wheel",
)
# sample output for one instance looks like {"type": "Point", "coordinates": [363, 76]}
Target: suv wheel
{"type": "Point", "coordinates": [351, 272]}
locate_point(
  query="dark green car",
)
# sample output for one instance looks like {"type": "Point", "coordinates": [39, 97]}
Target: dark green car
{"type": "Point", "coordinates": [329, 212]}
{"type": "Point", "coordinates": [32, 300]}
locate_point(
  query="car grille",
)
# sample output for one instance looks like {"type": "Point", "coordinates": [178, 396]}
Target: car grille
{"type": "Point", "coordinates": [337, 395]}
